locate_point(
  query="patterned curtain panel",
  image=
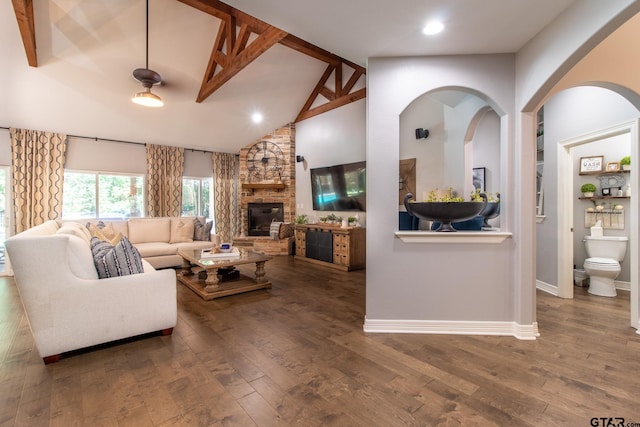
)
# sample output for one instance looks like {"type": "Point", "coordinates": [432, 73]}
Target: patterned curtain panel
{"type": "Point", "coordinates": [225, 199]}
{"type": "Point", "coordinates": [164, 180]}
{"type": "Point", "coordinates": [37, 168]}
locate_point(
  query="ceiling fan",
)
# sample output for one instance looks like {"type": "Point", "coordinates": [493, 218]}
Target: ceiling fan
{"type": "Point", "coordinates": [147, 77]}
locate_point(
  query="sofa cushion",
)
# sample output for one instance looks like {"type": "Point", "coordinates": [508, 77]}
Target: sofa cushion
{"type": "Point", "coordinates": [202, 229]}
{"type": "Point", "coordinates": [146, 230]}
{"type": "Point", "coordinates": [44, 229]}
{"type": "Point", "coordinates": [181, 230]}
{"type": "Point", "coordinates": [75, 229]}
{"type": "Point", "coordinates": [152, 249]}
{"type": "Point", "coordinates": [80, 259]}
{"type": "Point", "coordinates": [122, 259]}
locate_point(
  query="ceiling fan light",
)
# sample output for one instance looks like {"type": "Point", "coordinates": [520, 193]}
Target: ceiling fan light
{"type": "Point", "coordinates": [147, 99]}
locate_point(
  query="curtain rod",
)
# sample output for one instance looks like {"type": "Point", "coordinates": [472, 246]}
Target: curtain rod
{"type": "Point", "coordinates": [95, 138]}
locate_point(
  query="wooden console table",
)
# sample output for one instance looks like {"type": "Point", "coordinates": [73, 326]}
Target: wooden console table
{"type": "Point", "coordinates": [211, 287]}
{"type": "Point", "coordinates": [346, 251]}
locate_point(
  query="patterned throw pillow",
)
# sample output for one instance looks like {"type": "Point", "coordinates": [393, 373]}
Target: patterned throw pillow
{"type": "Point", "coordinates": [103, 232]}
{"type": "Point", "coordinates": [202, 231]}
{"type": "Point", "coordinates": [122, 259]}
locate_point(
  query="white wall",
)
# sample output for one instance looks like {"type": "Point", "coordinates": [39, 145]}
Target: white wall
{"type": "Point", "coordinates": [335, 137]}
{"type": "Point", "coordinates": [426, 281]}
{"type": "Point", "coordinates": [569, 114]}
{"type": "Point", "coordinates": [613, 149]}
{"type": "Point", "coordinates": [486, 150]}
{"type": "Point", "coordinates": [425, 112]}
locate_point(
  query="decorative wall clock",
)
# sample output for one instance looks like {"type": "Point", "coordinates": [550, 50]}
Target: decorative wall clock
{"type": "Point", "coordinates": [265, 161]}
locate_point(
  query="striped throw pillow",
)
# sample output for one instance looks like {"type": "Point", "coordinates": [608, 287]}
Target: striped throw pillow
{"type": "Point", "coordinates": [121, 259]}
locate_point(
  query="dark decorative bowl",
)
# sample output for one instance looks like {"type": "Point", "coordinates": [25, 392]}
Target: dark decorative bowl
{"type": "Point", "coordinates": [492, 210]}
{"type": "Point", "coordinates": [444, 212]}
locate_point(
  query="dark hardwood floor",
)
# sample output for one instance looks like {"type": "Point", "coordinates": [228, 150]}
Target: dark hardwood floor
{"type": "Point", "coordinates": [296, 355]}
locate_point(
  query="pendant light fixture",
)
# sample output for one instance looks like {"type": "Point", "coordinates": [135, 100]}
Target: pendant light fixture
{"type": "Point", "coordinates": [147, 77]}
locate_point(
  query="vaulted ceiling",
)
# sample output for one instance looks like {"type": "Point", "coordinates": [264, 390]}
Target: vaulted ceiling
{"type": "Point", "coordinates": [288, 59]}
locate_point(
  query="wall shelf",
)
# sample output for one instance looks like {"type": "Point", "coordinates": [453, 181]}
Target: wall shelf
{"type": "Point", "coordinates": [603, 197]}
{"type": "Point", "coordinates": [605, 172]}
{"type": "Point", "coordinates": [266, 185]}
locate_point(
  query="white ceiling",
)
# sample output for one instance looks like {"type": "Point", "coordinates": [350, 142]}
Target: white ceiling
{"type": "Point", "coordinates": [87, 50]}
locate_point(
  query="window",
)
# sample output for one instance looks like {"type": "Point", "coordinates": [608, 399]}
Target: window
{"type": "Point", "coordinates": [197, 197]}
{"type": "Point", "coordinates": [102, 195]}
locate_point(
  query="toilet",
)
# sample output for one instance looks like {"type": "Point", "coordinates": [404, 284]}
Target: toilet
{"type": "Point", "coordinates": [603, 264]}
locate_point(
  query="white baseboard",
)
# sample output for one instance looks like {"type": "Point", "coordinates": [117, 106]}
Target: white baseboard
{"type": "Point", "coordinates": [623, 286]}
{"type": "Point", "coordinates": [546, 287]}
{"type": "Point", "coordinates": [553, 290]}
{"type": "Point", "coordinates": [452, 327]}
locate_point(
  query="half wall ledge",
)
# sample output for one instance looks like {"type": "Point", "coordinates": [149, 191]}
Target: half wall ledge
{"type": "Point", "coordinates": [483, 237]}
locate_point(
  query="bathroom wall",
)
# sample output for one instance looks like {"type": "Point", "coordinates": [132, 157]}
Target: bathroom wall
{"type": "Point", "coordinates": [571, 113]}
{"type": "Point", "coordinates": [613, 149]}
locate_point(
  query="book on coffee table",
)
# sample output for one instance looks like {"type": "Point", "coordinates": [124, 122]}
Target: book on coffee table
{"type": "Point", "coordinates": [209, 253]}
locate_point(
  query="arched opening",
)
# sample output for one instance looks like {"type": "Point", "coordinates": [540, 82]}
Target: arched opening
{"type": "Point", "coordinates": [451, 139]}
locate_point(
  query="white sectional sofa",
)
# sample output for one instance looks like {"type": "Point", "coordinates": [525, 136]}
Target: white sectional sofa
{"type": "Point", "coordinates": [159, 239]}
{"type": "Point", "coordinates": [69, 308]}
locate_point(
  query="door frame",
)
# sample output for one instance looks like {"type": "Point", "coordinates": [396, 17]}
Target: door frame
{"type": "Point", "coordinates": [565, 173]}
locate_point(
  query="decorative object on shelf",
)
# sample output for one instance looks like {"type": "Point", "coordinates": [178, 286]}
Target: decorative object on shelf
{"type": "Point", "coordinates": [613, 182]}
{"type": "Point", "coordinates": [611, 217]}
{"type": "Point", "coordinates": [627, 190]}
{"type": "Point", "coordinates": [625, 163]}
{"type": "Point", "coordinates": [606, 192]}
{"type": "Point", "coordinates": [591, 164]}
{"type": "Point", "coordinates": [479, 178]}
{"type": "Point", "coordinates": [613, 166]}
{"type": "Point", "coordinates": [588, 189]}
{"type": "Point", "coordinates": [490, 211]}
{"type": "Point", "coordinates": [265, 161]}
{"type": "Point", "coordinates": [302, 219]}
{"type": "Point", "coordinates": [445, 212]}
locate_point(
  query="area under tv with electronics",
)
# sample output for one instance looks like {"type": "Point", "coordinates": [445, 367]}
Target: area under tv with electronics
{"type": "Point", "coordinates": [339, 187]}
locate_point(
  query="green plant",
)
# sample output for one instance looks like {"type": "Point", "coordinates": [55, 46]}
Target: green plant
{"type": "Point", "coordinates": [588, 188]}
{"type": "Point", "coordinates": [449, 196]}
{"type": "Point", "coordinates": [302, 219]}
{"type": "Point", "coordinates": [626, 160]}
{"type": "Point", "coordinates": [334, 218]}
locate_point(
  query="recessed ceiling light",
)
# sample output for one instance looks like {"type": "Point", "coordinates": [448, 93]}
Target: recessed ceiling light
{"type": "Point", "coordinates": [433, 27]}
{"type": "Point", "coordinates": [256, 118]}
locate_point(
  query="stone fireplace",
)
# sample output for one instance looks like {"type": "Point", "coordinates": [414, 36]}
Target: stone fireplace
{"type": "Point", "coordinates": [270, 192]}
{"type": "Point", "coordinates": [261, 215]}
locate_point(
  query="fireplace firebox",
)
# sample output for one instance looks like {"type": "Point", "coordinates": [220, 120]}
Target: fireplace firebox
{"type": "Point", "coordinates": [261, 215]}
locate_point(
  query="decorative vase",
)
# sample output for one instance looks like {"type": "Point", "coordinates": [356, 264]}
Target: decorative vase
{"type": "Point", "coordinates": [444, 212]}
{"type": "Point", "coordinates": [588, 194]}
{"type": "Point", "coordinates": [626, 167]}
{"type": "Point", "coordinates": [491, 210]}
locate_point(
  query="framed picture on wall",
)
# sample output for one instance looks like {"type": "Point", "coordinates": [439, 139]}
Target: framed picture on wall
{"type": "Point", "coordinates": [613, 166]}
{"type": "Point", "coordinates": [591, 164]}
{"type": "Point", "coordinates": [478, 179]}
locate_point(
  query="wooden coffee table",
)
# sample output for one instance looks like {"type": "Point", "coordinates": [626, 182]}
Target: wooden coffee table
{"type": "Point", "coordinates": [211, 287]}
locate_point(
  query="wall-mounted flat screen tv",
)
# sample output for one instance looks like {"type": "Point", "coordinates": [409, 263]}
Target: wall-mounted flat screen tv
{"type": "Point", "coordinates": [339, 187]}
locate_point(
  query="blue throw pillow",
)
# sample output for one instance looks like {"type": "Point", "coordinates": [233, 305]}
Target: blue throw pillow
{"type": "Point", "coordinates": [122, 259]}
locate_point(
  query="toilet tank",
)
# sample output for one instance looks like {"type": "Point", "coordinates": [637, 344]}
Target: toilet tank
{"type": "Point", "coordinates": [614, 247]}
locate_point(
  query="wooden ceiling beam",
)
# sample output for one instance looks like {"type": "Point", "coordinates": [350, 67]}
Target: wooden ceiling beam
{"type": "Point", "coordinates": [238, 55]}
{"type": "Point", "coordinates": [26, 25]}
{"type": "Point", "coordinates": [236, 63]}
